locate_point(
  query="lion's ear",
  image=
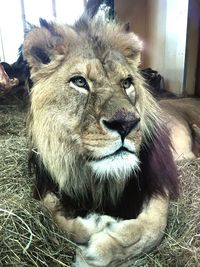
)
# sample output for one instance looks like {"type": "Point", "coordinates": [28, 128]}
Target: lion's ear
{"type": "Point", "coordinates": [44, 43]}
{"type": "Point", "coordinates": [128, 43]}
{"type": "Point", "coordinates": [133, 48]}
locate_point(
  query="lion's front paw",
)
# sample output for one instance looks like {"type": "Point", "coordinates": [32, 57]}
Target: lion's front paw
{"type": "Point", "coordinates": [101, 251]}
{"type": "Point", "coordinates": [119, 241]}
{"type": "Point", "coordinates": [80, 261]}
{"type": "Point", "coordinates": [85, 228]}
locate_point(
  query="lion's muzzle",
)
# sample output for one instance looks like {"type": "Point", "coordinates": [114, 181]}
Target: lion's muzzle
{"type": "Point", "coordinates": [123, 122]}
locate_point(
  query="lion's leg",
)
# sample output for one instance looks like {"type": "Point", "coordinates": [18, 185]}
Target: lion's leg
{"type": "Point", "coordinates": [77, 229]}
{"type": "Point", "coordinates": [127, 238]}
{"type": "Point", "coordinates": [181, 141]}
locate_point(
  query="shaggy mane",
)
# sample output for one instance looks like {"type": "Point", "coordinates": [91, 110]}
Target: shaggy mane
{"type": "Point", "coordinates": [64, 174]}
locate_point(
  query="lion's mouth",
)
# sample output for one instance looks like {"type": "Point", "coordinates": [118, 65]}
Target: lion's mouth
{"type": "Point", "coordinates": [118, 165]}
{"type": "Point", "coordinates": [119, 152]}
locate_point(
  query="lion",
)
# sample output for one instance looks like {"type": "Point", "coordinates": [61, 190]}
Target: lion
{"type": "Point", "coordinates": [102, 148]}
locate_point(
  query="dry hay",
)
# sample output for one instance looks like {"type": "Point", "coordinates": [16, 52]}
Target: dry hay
{"type": "Point", "coordinates": [28, 236]}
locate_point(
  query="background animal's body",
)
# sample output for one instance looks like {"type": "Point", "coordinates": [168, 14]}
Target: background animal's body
{"type": "Point", "coordinates": [183, 119]}
{"type": "Point", "coordinates": [99, 141]}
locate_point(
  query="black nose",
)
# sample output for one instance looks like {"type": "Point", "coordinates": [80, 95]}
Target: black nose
{"type": "Point", "coordinates": [123, 127]}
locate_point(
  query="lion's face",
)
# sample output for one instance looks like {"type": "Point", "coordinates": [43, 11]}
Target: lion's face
{"type": "Point", "coordinates": [88, 111]}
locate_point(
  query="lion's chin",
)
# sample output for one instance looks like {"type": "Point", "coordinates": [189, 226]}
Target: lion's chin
{"type": "Point", "coordinates": [119, 166]}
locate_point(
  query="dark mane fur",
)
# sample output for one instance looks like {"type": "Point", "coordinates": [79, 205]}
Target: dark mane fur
{"type": "Point", "coordinates": [158, 168]}
{"type": "Point", "coordinates": [158, 174]}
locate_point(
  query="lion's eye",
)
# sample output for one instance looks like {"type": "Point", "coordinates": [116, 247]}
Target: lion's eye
{"type": "Point", "coordinates": [127, 83]}
{"type": "Point", "coordinates": [80, 82]}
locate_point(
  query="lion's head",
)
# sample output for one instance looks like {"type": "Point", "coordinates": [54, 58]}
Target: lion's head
{"type": "Point", "coordinates": [90, 112]}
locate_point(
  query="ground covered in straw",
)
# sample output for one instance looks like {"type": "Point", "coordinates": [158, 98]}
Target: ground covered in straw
{"type": "Point", "coordinates": [28, 236]}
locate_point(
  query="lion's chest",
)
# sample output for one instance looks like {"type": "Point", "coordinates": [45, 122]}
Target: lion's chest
{"type": "Point", "coordinates": [127, 206]}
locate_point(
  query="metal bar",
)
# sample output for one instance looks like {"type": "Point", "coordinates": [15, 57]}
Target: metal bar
{"type": "Point", "coordinates": [54, 8]}
{"type": "Point", "coordinates": [23, 16]}
{"type": "Point", "coordinates": [2, 48]}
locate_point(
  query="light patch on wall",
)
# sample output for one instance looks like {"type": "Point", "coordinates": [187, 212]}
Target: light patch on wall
{"type": "Point", "coordinates": [175, 48]}
{"type": "Point", "coordinates": [38, 9]}
{"type": "Point", "coordinates": [11, 24]}
{"type": "Point", "coordinates": [11, 30]}
{"type": "Point", "coordinates": [69, 11]}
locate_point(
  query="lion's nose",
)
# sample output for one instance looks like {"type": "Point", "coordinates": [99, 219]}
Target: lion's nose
{"type": "Point", "coordinates": [122, 123]}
